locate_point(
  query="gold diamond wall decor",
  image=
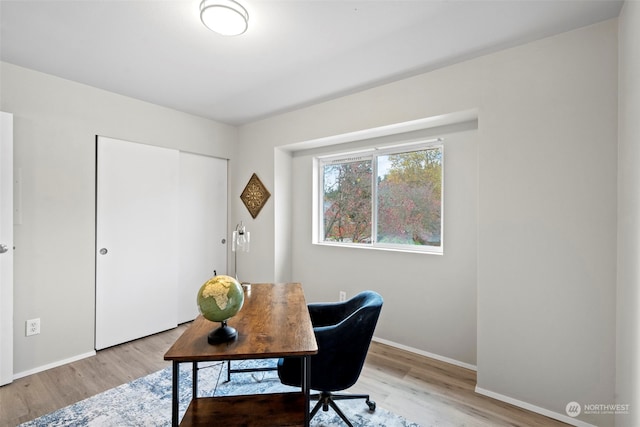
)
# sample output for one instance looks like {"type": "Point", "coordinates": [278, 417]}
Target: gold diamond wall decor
{"type": "Point", "coordinates": [255, 195]}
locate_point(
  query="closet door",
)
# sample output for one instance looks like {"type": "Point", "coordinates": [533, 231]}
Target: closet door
{"type": "Point", "coordinates": [136, 240]}
{"type": "Point", "coordinates": [202, 226]}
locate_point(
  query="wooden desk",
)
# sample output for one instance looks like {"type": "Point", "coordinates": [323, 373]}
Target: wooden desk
{"type": "Point", "coordinates": [274, 322]}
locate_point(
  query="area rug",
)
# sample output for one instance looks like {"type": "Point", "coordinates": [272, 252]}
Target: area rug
{"type": "Point", "coordinates": [147, 400]}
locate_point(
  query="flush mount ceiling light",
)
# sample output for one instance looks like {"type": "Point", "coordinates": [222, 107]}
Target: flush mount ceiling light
{"type": "Point", "coordinates": [226, 17]}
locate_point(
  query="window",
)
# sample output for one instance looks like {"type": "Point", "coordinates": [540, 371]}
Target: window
{"type": "Point", "coordinates": [383, 198]}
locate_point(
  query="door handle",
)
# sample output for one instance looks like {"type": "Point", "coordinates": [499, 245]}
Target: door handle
{"type": "Point", "coordinates": [103, 251]}
{"type": "Point", "coordinates": [3, 248]}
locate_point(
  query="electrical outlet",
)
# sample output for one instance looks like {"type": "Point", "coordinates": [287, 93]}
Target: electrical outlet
{"type": "Point", "coordinates": [342, 296]}
{"type": "Point", "coordinates": [33, 327]}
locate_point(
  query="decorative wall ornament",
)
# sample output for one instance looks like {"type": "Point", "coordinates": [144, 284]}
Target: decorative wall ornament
{"type": "Point", "coordinates": [255, 195]}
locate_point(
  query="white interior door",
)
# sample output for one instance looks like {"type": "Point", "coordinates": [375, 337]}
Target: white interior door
{"type": "Point", "coordinates": [202, 227]}
{"type": "Point", "coordinates": [6, 248]}
{"type": "Point", "coordinates": [136, 240]}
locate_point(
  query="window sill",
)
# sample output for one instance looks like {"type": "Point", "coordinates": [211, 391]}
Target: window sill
{"type": "Point", "coordinates": [388, 248]}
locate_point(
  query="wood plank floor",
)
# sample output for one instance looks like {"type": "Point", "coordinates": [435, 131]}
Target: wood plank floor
{"type": "Point", "coordinates": [423, 390]}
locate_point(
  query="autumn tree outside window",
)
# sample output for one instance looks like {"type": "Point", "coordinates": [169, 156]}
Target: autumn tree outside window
{"type": "Point", "coordinates": [387, 198]}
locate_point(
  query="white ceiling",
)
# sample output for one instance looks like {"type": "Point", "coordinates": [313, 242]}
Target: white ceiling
{"type": "Point", "coordinates": [295, 53]}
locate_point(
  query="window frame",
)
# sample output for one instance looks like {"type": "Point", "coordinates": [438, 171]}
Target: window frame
{"type": "Point", "coordinates": [373, 153]}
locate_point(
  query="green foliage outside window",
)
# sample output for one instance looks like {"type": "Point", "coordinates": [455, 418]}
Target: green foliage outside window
{"type": "Point", "coordinates": [402, 206]}
{"type": "Point", "coordinates": [347, 202]}
{"type": "Point", "coordinates": [410, 198]}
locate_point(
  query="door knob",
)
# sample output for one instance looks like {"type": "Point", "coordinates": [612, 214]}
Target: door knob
{"type": "Point", "coordinates": [103, 251]}
{"type": "Point", "coordinates": [3, 248]}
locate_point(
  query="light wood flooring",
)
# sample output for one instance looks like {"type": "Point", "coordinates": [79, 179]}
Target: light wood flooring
{"type": "Point", "coordinates": [423, 390]}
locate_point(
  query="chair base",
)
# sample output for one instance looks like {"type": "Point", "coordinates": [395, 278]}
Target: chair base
{"type": "Point", "coordinates": [327, 399]}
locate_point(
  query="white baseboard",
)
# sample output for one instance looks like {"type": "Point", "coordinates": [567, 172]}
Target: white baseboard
{"type": "Point", "coordinates": [427, 354]}
{"type": "Point", "coordinates": [533, 408]}
{"type": "Point", "coordinates": [53, 365]}
{"type": "Point", "coordinates": [528, 406]}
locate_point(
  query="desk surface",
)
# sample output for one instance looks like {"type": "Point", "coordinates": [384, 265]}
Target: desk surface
{"type": "Point", "coordinates": [273, 322]}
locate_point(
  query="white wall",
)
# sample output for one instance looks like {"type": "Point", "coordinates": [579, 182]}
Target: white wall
{"type": "Point", "coordinates": [422, 292]}
{"type": "Point", "coordinates": [54, 135]}
{"type": "Point", "coordinates": [546, 217]}
{"type": "Point", "coordinates": [286, 205]}
{"type": "Point", "coordinates": [546, 223]}
{"type": "Point", "coordinates": [628, 336]}
{"type": "Point", "coordinates": [547, 252]}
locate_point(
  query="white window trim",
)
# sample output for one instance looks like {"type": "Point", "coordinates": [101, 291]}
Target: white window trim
{"type": "Point", "coordinates": [372, 152]}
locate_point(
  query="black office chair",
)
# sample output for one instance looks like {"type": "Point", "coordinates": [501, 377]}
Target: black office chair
{"type": "Point", "coordinates": [343, 331]}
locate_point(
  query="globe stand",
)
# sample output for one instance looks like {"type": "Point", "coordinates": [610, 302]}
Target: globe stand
{"type": "Point", "coordinates": [222, 334]}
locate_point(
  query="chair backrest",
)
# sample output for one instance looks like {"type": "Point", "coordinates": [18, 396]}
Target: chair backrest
{"type": "Point", "coordinates": [344, 342]}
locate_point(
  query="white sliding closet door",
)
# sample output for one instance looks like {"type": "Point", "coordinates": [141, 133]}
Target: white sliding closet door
{"type": "Point", "coordinates": [202, 225]}
{"type": "Point", "coordinates": [136, 240]}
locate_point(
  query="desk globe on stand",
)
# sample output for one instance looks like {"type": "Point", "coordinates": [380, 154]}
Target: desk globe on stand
{"type": "Point", "coordinates": [219, 299]}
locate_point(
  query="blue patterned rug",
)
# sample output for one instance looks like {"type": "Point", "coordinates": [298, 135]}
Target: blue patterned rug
{"type": "Point", "coordinates": [147, 400]}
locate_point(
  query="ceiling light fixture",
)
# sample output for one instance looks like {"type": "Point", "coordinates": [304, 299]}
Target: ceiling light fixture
{"type": "Point", "coordinates": [226, 17]}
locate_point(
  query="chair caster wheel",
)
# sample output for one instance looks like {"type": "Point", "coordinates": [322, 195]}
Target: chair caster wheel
{"type": "Point", "coordinates": [371, 404]}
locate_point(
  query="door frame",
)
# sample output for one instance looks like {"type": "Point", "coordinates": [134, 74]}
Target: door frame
{"type": "Point", "coordinates": [6, 237]}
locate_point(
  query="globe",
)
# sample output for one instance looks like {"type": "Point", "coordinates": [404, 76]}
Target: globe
{"type": "Point", "coordinates": [219, 299]}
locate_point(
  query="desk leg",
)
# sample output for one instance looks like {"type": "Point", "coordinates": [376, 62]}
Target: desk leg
{"type": "Point", "coordinates": [174, 396]}
{"type": "Point", "coordinates": [194, 379]}
{"type": "Point", "coordinates": [306, 375]}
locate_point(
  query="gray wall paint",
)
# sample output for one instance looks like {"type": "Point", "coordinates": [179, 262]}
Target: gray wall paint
{"type": "Point", "coordinates": [422, 292]}
{"type": "Point", "coordinates": [546, 255]}
{"type": "Point", "coordinates": [546, 229]}
{"type": "Point", "coordinates": [547, 215]}
{"type": "Point", "coordinates": [55, 123]}
{"type": "Point", "coordinates": [628, 336]}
